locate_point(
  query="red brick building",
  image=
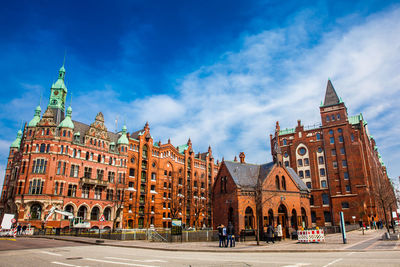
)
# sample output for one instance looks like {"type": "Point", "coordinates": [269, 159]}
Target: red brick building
{"type": "Point", "coordinates": [167, 182]}
{"type": "Point", "coordinates": [72, 166]}
{"type": "Point", "coordinates": [339, 162]}
{"type": "Point", "coordinates": [245, 194]}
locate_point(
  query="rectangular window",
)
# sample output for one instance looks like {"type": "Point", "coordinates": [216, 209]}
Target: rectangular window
{"type": "Point", "coordinates": [346, 175]}
{"type": "Point", "coordinates": [88, 172]}
{"type": "Point", "coordinates": [325, 199]}
{"type": "Point", "coordinates": [306, 162]}
{"type": "Point", "coordinates": [100, 174]}
{"type": "Point", "coordinates": [333, 152]}
{"type": "Point", "coordinates": [352, 137]}
{"type": "Point", "coordinates": [111, 177]}
{"type": "Point", "coordinates": [85, 192]}
{"type": "Point", "coordinates": [56, 188]}
{"type": "Point", "coordinates": [131, 184]}
{"type": "Point", "coordinates": [286, 163]}
{"type": "Point", "coordinates": [69, 193]}
{"type": "Point", "coordinates": [301, 174]}
{"type": "Point", "coordinates": [331, 140]}
{"type": "Point", "coordinates": [153, 176]}
{"type": "Point", "coordinates": [61, 189]}
{"type": "Point", "coordinates": [344, 163]}
{"type": "Point", "coordinates": [323, 184]}
{"type": "Point", "coordinates": [97, 193]}
{"type": "Point", "coordinates": [64, 168]}
{"type": "Point", "coordinates": [341, 138]}
{"type": "Point", "coordinates": [347, 188]}
{"type": "Point", "coordinates": [334, 163]}
{"type": "Point", "coordinates": [131, 172]}
{"type": "Point", "coordinates": [308, 184]}
{"type": "Point", "coordinates": [322, 172]}
{"type": "Point", "coordinates": [327, 216]}
{"type": "Point", "coordinates": [321, 160]}
{"type": "Point", "coordinates": [342, 151]}
{"type": "Point", "coordinates": [300, 162]}
{"type": "Point", "coordinates": [59, 167]}
{"type": "Point", "coordinates": [307, 172]}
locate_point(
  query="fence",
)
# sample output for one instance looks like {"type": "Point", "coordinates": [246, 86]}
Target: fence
{"type": "Point", "coordinates": [157, 235]}
{"type": "Point", "coordinates": [336, 229]}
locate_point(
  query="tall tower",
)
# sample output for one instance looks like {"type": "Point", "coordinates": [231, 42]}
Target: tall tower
{"type": "Point", "coordinates": [333, 110]}
{"type": "Point", "coordinates": [58, 97]}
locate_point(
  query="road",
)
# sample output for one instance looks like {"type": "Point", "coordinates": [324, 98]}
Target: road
{"type": "Point", "coordinates": [62, 253]}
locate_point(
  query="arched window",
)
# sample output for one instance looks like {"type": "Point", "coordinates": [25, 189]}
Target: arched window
{"type": "Point", "coordinates": [107, 214]}
{"type": "Point", "coordinates": [94, 215]}
{"type": "Point", "coordinates": [48, 148]}
{"type": "Point", "coordinates": [283, 183]}
{"type": "Point", "coordinates": [277, 184]}
{"type": "Point", "coordinates": [64, 133]}
{"type": "Point", "coordinates": [248, 218]}
{"type": "Point", "coordinates": [82, 212]}
{"type": "Point", "coordinates": [70, 209]}
{"type": "Point", "coordinates": [36, 212]}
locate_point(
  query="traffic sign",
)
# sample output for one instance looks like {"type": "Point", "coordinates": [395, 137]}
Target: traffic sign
{"type": "Point", "coordinates": [13, 220]}
{"type": "Point", "coordinates": [102, 219]}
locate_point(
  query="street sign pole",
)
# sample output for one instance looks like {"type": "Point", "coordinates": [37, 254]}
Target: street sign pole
{"type": "Point", "coordinates": [342, 227]}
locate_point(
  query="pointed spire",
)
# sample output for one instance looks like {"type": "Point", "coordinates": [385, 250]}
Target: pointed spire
{"type": "Point", "coordinates": [331, 97]}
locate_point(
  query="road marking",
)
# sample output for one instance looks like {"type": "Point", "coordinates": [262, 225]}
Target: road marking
{"type": "Point", "coordinates": [114, 258]}
{"type": "Point", "coordinates": [66, 264]}
{"type": "Point", "coordinates": [351, 253]}
{"type": "Point", "coordinates": [118, 262]}
{"type": "Point", "coordinates": [9, 239]}
{"type": "Point", "coordinates": [297, 265]}
{"type": "Point", "coordinates": [50, 253]}
{"type": "Point", "coordinates": [332, 262]}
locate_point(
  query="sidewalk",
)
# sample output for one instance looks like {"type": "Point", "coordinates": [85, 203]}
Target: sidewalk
{"type": "Point", "coordinates": [356, 242]}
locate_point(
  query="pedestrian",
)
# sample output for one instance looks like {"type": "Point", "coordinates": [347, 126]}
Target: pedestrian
{"type": "Point", "coordinates": [19, 227]}
{"type": "Point", "coordinates": [270, 234]}
{"type": "Point", "coordinates": [279, 232]}
{"type": "Point", "coordinates": [219, 228]}
{"type": "Point", "coordinates": [224, 236]}
{"type": "Point", "coordinates": [24, 229]}
{"type": "Point", "coordinates": [231, 235]}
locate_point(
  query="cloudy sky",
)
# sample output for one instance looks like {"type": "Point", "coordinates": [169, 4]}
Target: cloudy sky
{"type": "Point", "coordinates": [219, 72]}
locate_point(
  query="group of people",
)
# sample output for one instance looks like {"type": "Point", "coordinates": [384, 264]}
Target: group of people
{"type": "Point", "coordinates": [21, 229]}
{"type": "Point", "coordinates": [226, 235]}
{"type": "Point", "coordinates": [274, 233]}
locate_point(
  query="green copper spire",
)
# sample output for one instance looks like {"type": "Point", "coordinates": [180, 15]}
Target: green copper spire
{"type": "Point", "coordinates": [36, 117]}
{"type": "Point", "coordinates": [17, 141]}
{"type": "Point", "coordinates": [59, 91]}
{"type": "Point", "coordinates": [123, 140]}
{"type": "Point", "coordinates": [67, 122]}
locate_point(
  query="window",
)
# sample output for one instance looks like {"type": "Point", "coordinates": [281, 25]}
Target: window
{"type": "Point", "coordinates": [327, 118]}
{"type": "Point", "coordinates": [277, 184]}
{"type": "Point", "coordinates": [74, 171]}
{"type": "Point", "coordinates": [306, 162]}
{"type": "Point", "coordinates": [311, 200]}
{"type": "Point", "coordinates": [340, 130]}
{"type": "Point", "coordinates": [88, 172]}
{"type": "Point", "coordinates": [308, 184]}
{"type": "Point", "coordinates": [320, 150]}
{"type": "Point", "coordinates": [36, 187]}
{"type": "Point", "coordinates": [153, 176]}
{"type": "Point", "coordinates": [144, 155]}
{"type": "Point", "coordinates": [100, 174]}
{"type": "Point", "coordinates": [42, 148]}
{"type": "Point", "coordinates": [131, 184]}
{"type": "Point", "coordinates": [338, 116]}
{"type": "Point", "coordinates": [346, 175]}
{"type": "Point", "coordinates": [300, 162]}
{"type": "Point", "coordinates": [344, 163]}
{"type": "Point", "coordinates": [97, 193]}
{"type": "Point", "coordinates": [341, 138]}
{"type": "Point", "coordinates": [307, 172]}
{"type": "Point", "coordinates": [333, 152]}
{"type": "Point", "coordinates": [109, 195]}
{"type": "Point", "coordinates": [345, 205]}
{"type": "Point", "coordinates": [62, 149]}
{"type": "Point", "coordinates": [352, 137]}
{"type": "Point", "coordinates": [301, 174]}
{"type": "Point", "coordinates": [325, 199]}
{"type": "Point", "coordinates": [56, 188]}
{"type": "Point", "coordinates": [64, 168]}
{"type": "Point", "coordinates": [48, 148]}
{"type": "Point", "coordinates": [331, 140]}
{"type": "Point", "coordinates": [59, 167]}
{"type": "Point", "coordinates": [153, 187]}
{"type": "Point", "coordinates": [327, 216]}
{"type": "Point", "coordinates": [330, 132]}
{"type": "Point", "coordinates": [322, 171]}
{"type": "Point", "coordinates": [321, 160]}
{"type": "Point", "coordinates": [39, 166]}
{"type": "Point", "coordinates": [85, 191]}
{"type": "Point", "coordinates": [284, 142]}
{"type": "Point", "coordinates": [333, 117]}
{"type": "Point", "coordinates": [286, 163]}
{"type": "Point", "coordinates": [318, 136]}
{"type": "Point", "coordinates": [313, 217]}
{"type": "Point", "coordinates": [302, 151]}
{"type": "Point", "coordinates": [111, 177]}
{"type": "Point", "coordinates": [347, 188]}
{"type": "Point", "coordinates": [342, 151]}
{"type": "Point", "coordinates": [323, 184]}
{"type": "Point", "coordinates": [283, 183]}
{"type": "Point", "coordinates": [71, 190]}
{"type": "Point", "coordinates": [87, 155]}
{"type": "Point", "coordinates": [36, 212]}
{"type": "Point", "coordinates": [334, 163]}
{"type": "Point", "coordinates": [131, 172]}
{"type": "Point", "coordinates": [61, 189]}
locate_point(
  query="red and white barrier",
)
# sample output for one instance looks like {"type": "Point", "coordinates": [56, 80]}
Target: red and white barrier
{"type": "Point", "coordinates": [311, 236]}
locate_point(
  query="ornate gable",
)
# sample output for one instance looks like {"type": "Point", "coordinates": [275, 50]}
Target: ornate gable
{"type": "Point", "coordinates": [98, 129]}
{"type": "Point", "coordinates": [48, 118]}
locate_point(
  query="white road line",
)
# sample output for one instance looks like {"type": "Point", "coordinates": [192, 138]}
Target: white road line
{"type": "Point", "coordinates": [297, 265]}
{"type": "Point", "coordinates": [66, 264]}
{"type": "Point", "coordinates": [118, 262]}
{"type": "Point", "coordinates": [351, 253]}
{"type": "Point", "coordinates": [50, 253]}
{"type": "Point", "coordinates": [114, 258]}
{"type": "Point", "coordinates": [333, 262]}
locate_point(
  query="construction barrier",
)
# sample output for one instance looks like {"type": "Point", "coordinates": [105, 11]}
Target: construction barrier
{"type": "Point", "coordinates": [311, 236]}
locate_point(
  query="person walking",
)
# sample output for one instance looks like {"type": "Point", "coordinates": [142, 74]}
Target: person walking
{"type": "Point", "coordinates": [19, 227]}
{"type": "Point", "coordinates": [24, 229]}
{"type": "Point", "coordinates": [219, 228]}
{"type": "Point", "coordinates": [270, 234]}
{"type": "Point", "coordinates": [231, 235]}
{"type": "Point", "coordinates": [224, 236]}
{"type": "Point", "coordinates": [279, 232]}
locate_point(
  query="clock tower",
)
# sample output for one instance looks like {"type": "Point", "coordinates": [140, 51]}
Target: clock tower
{"type": "Point", "coordinates": [58, 95]}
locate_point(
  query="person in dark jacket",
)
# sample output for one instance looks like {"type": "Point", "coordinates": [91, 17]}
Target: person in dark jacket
{"type": "Point", "coordinates": [270, 234]}
{"type": "Point", "coordinates": [231, 235]}
{"type": "Point", "coordinates": [220, 236]}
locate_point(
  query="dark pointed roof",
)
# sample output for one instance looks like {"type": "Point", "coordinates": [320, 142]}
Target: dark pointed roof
{"type": "Point", "coordinates": [331, 97]}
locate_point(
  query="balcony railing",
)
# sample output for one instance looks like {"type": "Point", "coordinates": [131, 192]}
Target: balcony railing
{"type": "Point", "coordinates": [89, 181]}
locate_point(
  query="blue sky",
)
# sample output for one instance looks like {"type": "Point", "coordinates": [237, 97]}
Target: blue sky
{"type": "Point", "coordinates": [219, 72]}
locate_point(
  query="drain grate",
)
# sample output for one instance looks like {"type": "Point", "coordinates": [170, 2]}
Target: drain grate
{"type": "Point", "coordinates": [74, 258]}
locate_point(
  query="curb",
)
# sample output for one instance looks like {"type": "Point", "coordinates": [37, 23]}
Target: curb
{"type": "Point", "coordinates": [216, 250]}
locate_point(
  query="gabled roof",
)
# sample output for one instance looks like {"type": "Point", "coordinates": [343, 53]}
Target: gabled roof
{"type": "Point", "coordinates": [331, 97]}
{"type": "Point", "coordinates": [135, 135]}
{"type": "Point", "coordinates": [82, 128]}
{"type": "Point", "coordinates": [297, 179]}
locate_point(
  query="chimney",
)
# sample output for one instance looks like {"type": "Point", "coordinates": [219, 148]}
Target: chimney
{"type": "Point", "coordinates": [242, 156]}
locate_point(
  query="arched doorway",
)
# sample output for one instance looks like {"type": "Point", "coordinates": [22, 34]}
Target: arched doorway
{"type": "Point", "coordinates": [82, 212]}
{"type": "Point", "coordinates": [107, 214]}
{"type": "Point", "coordinates": [293, 220]}
{"type": "Point", "coordinates": [94, 215]}
{"type": "Point", "coordinates": [249, 218]}
{"type": "Point", "coordinates": [36, 211]}
{"type": "Point", "coordinates": [282, 219]}
{"type": "Point", "coordinates": [69, 208]}
{"type": "Point", "coordinates": [130, 224]}
{"type": "Point", "coordinates": [304, 219]}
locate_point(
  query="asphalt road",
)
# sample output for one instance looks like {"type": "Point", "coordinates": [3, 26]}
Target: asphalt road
{"type": "Point", "coordinates": [29, 243]}
{"type": "Point", "coordinates": [61, 253]}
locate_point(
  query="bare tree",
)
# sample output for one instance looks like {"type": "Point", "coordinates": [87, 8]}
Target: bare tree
{"type": "Point", "coordinates": [385, 198]}
{"type": "Point", "coordinates": [199, 208]}
{"type": "Point", "coordinates": [118, 204]}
